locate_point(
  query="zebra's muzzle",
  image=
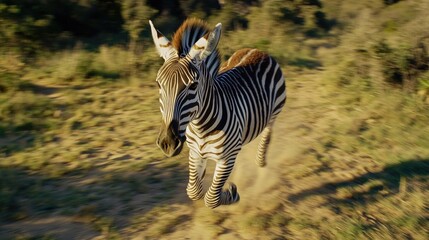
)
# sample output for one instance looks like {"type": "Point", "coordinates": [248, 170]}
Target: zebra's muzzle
{"type": "Point", "coordinates": [169, 141]}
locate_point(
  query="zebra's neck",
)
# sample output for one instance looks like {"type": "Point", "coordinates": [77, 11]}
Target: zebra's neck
{"type": "Point", "coordinates": [208, 98]}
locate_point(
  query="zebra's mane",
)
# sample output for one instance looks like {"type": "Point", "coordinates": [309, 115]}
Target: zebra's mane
{"type": "Point", "coordinates": [188, 34]}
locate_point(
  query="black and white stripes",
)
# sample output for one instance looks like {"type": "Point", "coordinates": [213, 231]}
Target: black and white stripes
{"type": "Point", "coordinates": [217, 111]}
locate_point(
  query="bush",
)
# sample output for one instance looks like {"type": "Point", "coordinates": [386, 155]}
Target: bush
{"type": "Point", "coordinates": [403, 66]}
{"type": "Point", "coordinates": [110, 62]}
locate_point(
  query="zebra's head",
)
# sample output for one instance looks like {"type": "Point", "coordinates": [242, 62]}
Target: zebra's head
{"type": "Point", "coordinates": [179, 81]}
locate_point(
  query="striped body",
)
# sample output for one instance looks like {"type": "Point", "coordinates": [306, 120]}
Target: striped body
{"type": "Point", "coordinates": [245, 97]}
{"type": "Point", "coordinates": [221, 109]}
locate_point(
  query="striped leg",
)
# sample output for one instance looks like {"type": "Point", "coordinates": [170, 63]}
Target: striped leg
{"type": "Point", "coordinates": [215, 196]}
{"type": "Point", "coordinates": [197, 170]}
{"type": "Point", "coordinates": [263, 145]}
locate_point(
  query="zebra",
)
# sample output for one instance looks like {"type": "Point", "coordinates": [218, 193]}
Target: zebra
{"type": "Point", "coordinates": [215, 109]}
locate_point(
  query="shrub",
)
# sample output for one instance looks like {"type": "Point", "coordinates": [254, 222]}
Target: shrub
{"type": "Point", "coordinates": [403, 66]}
{"type": "Point", "coordinates": [110, 62]}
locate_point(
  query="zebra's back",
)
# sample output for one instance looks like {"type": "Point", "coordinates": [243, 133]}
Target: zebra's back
{"type": "Point", "coordinates": [255, 86]}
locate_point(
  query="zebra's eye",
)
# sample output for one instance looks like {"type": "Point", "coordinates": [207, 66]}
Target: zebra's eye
{"type": "Point", "coordinates": [193, 86]}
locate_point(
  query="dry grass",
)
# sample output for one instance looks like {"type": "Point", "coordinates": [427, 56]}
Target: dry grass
{"type": "Point", "coordinates": [349, 157]}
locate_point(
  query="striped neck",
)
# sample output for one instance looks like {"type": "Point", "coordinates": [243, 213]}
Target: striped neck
{"type": "Point", "coordinates": [208, 100]}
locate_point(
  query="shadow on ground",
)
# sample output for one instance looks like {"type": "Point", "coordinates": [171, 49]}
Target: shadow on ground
{"type": "Point", "coordinates": [391, 177]}
{"type": "Point", "coordinates": [88, 202]}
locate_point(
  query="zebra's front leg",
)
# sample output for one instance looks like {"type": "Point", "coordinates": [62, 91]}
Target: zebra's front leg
{"type": "Point", "coordinates": [197, 170]}
{"type": "Point", "coordinates": [215, 196]}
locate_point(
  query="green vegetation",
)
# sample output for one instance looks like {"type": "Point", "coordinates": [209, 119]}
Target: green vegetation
{"type": "Point", "coordinates": [79, 118]}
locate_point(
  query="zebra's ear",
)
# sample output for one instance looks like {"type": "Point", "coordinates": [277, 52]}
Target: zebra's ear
{"type": "Point", "coordinates": [162, 44]}
{"type": "Point", "coordinates": [204, 47]}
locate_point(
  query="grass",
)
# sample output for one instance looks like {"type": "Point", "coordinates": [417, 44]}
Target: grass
{"type": "Point", "coordinates": [102, 155]}
{"type": "Point", "coordinates": [77, 140]}
{"type": "Point", "coordinates": [64, 145]}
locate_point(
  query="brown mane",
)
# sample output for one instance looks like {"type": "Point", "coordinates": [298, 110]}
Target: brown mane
{"type": "Point", "coordinates": [188, 34]}
{"type": "Point", "coordinates": [189, 26]}
{"type": "Point", "coordinates": [244, 57]}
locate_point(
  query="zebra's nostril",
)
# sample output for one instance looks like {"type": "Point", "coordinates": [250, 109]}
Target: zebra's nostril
{"type": "Point", "coordinates": [162, 145]}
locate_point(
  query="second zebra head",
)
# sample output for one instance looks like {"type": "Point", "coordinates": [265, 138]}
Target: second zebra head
{"type": "Point", "coordinates": [180, 80]}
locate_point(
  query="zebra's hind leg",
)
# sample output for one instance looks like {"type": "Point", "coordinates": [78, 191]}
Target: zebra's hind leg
{"type": "Point", "coordinates": [197, 170]}
{"type": "Point", "coordinates": [215, 196]}
{"type": "Point", "coordinates": [263, 145]}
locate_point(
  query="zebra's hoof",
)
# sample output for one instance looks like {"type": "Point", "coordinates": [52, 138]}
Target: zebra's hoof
{"type": "Point", "coordinates": [235, 197]}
